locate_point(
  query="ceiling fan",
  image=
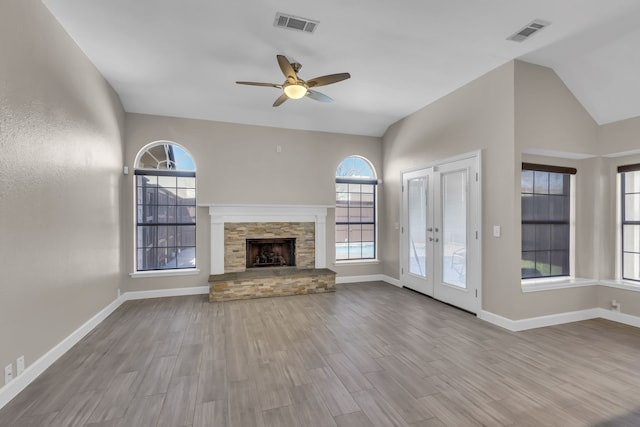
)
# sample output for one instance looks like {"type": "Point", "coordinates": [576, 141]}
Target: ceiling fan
{"type": "Point", "coordinates": [296, 88]}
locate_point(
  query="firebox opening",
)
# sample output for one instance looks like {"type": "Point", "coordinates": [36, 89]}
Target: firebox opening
{"type": "Point", "coordinates": [271, 253]}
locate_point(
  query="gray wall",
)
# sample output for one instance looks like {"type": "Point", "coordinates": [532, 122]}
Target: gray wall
{"type": "Point", "coordinates": [517, 107]}
{"type": "Point", "coordinates": [240, 164]}
{"type": "Point", "coordinates": [60, 175]}
{"type": "Point", "coordinates": [479, 116]}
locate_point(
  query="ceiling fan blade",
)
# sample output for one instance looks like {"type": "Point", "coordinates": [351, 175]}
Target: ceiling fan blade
{"type": "Point", "coordinates": [260, 84]}
{"type": "Point", "coordinates": [280, 99]}
{"type": "Point", "coordinates": [327, 80]}
{"type": "Point", "coordinates": [318, 96]}
{"type": "Point", "coordinates": [287, 69]}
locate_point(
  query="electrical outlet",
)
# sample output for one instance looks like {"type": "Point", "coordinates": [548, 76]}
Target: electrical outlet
{"type": "Point", "coordinates": [615, 305]}
{"type": "Point", "coordinates": [19, 365]}
{"type": "Point", "coordinates": [8, 373]}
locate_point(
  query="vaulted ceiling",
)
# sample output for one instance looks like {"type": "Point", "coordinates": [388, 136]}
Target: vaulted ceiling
{"type": "Point", "coordinates": [182, 58]}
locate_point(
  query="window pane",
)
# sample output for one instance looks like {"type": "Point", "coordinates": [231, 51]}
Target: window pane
{"type": "Point", "coordinates": [559, 183]}
{"type": "Point", "coordinates": [543, 262]}
{"type": "Point", "coordinates": [355, 188]}
{"type": "Point", "coordinates": [632, 207]}
{"type": "Point", "coordinates": [528, 237]}
{"type": "Point", "coordinates": [342, 214]}
{"type": "Point", "coordinates": [186, 235]}
{"type": "Point", "coordinates": [186, 215]}
{"type": "Point", "coordinates": [342, 241]}
{"type": "Point", "coordinates": [368, 188]}
{"type": "Point", "coordinates": [529, 265]}
{"type": "Point", "coordinates": [631, 266]}
{"type": "Point", "coordinates": [632, 182]}
{"type": "Point", "coordinates": [342, 188]}
{"type": "Point", "coordinates": [543, 237]}
{"type": "Point", "coordinates": [560, 237]}
{"type": "Point", "coordinates": [559, 263]}
{"type": "Point", "coordinates": [558, 208]}
{"type": "Point", "coordinates": [527, 181]}
{"type": "Point", "coordinates": [527, 207]}
{"type": "Point", "coordinates": [168, 181]}
{"type": "Point", "coordinates": [631, 238]}
{"type": "Point", "coordinates": [418, 211]}
{"type": "Point", "coordinates": [454, 228]}
{"type": "Point", "coordinates": [186, 182]}
{"type": "Point", "coordinates": [540, 207]}
{"type": "Point", "coordinates": [368, 214]}
{"type": "Point", "coordinates": [541, 182]}
{"type": "Point", "coordinates": [186, 196]}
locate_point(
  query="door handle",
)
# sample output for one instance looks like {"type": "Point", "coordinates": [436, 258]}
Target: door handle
{"type": "Point", "coordinates": [437, 240]}
{"type": "Point", "coordinates": [431, 239]}
{"type": "Point", "coordinates": [437, 229]}
{"type": "Point", "coordinates": [429, 229]}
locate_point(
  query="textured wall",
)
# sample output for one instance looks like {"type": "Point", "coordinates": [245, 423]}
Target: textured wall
{"type": "Point", "coordinates": [60, 176]}
{"type": "Point", "coordinates": [240, 164]}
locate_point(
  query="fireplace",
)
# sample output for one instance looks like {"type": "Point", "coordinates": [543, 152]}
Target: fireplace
{"type": "Point", "coordinates": [271, 253]}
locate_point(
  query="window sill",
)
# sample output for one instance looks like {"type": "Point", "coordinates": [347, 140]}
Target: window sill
{"type": "Point", "coordinates": [165, 273]}
{"type": "Point", "coordinates": [357, 261]}
{"type": "Point", "coordinates": [628, 285]}
{"type": "Point", "coordinates": [547, 284]}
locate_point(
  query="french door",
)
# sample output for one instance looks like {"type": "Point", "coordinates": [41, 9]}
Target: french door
{"type": "Point", "coordinates": [440, 253]}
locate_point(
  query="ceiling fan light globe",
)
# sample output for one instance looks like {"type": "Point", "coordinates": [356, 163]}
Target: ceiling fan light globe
{"type": "Point", "coordinates": [295, 91]}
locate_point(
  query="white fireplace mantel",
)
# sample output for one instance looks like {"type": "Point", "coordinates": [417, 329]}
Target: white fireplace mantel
{"type": "Point", "coordinates": [222, 213]}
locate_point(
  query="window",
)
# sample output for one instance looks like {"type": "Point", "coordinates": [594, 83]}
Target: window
{"type": "Point", "coordinates": [355, 210]}
{"type": "Point", "coordinates": [630, 212]}
{"type": "Point", "coordinates": [546, 220]}
{"type": "Point", "coordinates": [165, 208]}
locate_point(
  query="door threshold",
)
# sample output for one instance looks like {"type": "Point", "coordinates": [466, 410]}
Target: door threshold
{"type": "Point", "coordinates": [440, 301]}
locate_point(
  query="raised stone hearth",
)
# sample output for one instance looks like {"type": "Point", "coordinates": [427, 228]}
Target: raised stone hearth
{"type": "Point", "coordinates": [232, 225]}
{"type": "Point", "coordinates": [270, 283]}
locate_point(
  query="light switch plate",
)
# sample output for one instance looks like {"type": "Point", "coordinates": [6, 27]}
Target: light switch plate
{"type": "Point", "coordinates": [496, 231]}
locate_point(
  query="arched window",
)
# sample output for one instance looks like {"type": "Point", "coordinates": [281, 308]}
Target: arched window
{"type": "Point", "coordinates": [355, 210]}
{"type": "Point", "coordinates": [165, 208]}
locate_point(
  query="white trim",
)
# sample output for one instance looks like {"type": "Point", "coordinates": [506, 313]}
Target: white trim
{"type": "Point", "coordinates": [165, 273]}
{"type": "Point", "coordinates": [536, 285]}
{"type": "Point", "coordinates": [359, 279]}
{"type": "Point", "coordinates": [559, 154]}
{"type": "Point", "coordinates": [347, 262]}
{"type": "Point", "coordinates": [539, 322]}
{"type": "Point", "coordinates": [11, 390]}
{"type": "Point", "coordinates": [392, 281]}
{"type": "Point", "coordinates": [223, 213]}
{"type": "Point", "coordinates": [369, 278]}
{"type": "Point", "coordinates": [621, 284]}
{"type": "Point", "coordinates": [162, 293]}
{"type": "Point", "coordinates": [616, 316]}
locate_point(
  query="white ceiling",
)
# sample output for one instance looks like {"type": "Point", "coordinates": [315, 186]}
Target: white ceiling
{"type": "Point", "coordinates": [182, 57]}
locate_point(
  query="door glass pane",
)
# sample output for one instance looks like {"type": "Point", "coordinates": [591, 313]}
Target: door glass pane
{"type": "Point", "coordinates": [417, 195]}
{"type": "Point", "coordinates": [454, 228]}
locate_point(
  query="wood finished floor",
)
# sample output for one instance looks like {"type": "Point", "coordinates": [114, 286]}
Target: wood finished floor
{"type": "Point", "coordinates": [368, 355]}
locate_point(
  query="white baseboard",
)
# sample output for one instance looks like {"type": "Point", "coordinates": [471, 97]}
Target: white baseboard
{"type": "Point", "coordinates": [541, 321]}
{"type": "Point", "coordinates": [616, 316]}
{"type": "Point", "coordinates": [369, 278]}
{"type": "Point", "coordinates": [11, 390]}
{"type": "Point", "coordinates": [162, 293]}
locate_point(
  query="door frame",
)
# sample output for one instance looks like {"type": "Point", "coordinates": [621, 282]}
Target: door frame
{"type": "Point", "coordinates": [476, 243]}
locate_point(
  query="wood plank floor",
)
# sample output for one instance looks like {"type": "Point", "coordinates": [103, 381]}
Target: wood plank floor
{"type": "Point", "coordinates": [368, 355]}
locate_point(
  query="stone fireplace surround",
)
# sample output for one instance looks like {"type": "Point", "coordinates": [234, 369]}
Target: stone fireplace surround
{"type": "Point", "coordinates": [231, 225]}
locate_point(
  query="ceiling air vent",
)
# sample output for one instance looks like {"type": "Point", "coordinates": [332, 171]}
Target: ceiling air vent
{"type": "Point", "coordinates": [529, 30]}
{"type": "Point", "coordinates": [295, 23]}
